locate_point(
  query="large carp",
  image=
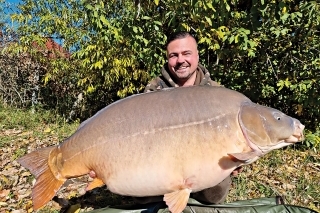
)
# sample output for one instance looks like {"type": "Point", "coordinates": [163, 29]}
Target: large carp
{"type": "Point", "coordinates": [169, 143]}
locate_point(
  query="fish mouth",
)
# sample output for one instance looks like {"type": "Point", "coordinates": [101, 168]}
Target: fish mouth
{"type": "Point", "coordinates": [297, 135]}
{"type": "Point", "coordinates": [295, 138]}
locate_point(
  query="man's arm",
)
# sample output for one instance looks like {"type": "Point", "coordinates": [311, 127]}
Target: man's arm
{"type": "Point", "coordinates": [214, 83]}
{"type": "Point", "coordinates": [154, 85]}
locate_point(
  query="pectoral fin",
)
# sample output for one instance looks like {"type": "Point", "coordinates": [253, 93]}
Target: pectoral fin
{"type": "Point", "coordinates": [177, 200]}
{"type": "Point", "coordinates": [94, 184]}
{"type": "Point", "coordinates": [245, 157]}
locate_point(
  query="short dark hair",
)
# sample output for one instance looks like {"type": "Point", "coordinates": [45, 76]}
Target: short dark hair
{"type": "Point", "coordinates": [179, 35]}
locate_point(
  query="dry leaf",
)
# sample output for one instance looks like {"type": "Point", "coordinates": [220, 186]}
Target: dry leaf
{"type": "Point", "coordinates": [25, 133]}
{"type": "Point", "coordinates": [25, 174]}
{"type": "Point", "coordinates": [4, 193]}
{"type": "Point", "coordinates": [3, 204]}
{"type": "Point", "coordinates": [74, 208]}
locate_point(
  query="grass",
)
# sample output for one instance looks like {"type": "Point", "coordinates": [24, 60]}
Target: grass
{"type": "Point", "coordinates": [293, 173]}
{"type": "Point", "coordinates": [19, 124]}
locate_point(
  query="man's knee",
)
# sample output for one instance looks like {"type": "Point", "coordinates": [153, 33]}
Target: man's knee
{"type": "Point", "coordinates": [214, 195]}
{"type": "Point", "coordinates": [144, 200]}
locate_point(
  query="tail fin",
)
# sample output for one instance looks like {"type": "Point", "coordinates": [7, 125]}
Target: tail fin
{"type": "Point", "coordinates": [46, 183]}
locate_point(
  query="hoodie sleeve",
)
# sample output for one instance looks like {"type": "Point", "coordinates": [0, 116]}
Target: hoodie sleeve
{"type": "Point", "coordinates": [153, 85]}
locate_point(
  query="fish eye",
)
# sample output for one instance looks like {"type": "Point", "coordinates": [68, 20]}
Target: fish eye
{"type": "Point", "coordinates": [277, 116]}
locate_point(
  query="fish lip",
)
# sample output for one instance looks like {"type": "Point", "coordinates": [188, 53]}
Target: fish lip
{"type": "Point", "coordinates": [298, 132]}
{"type": "Point", "coordinates": [295, 138]}
{"type": "Point", "coordinates": [299, 137]}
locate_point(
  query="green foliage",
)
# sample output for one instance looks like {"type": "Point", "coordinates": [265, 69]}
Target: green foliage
{"type": "Point", "coordinates": [312, 140]}
{"type": "Point", "coordinates": [284, 70]}
{"type": "Point", "coordinates": [21, 123]}
{"type": "Point", "coordinates": [13, 118]}
{"type": "Point", "coordinates": [112, 62]}
{"type": "Point", "coordinates": [268, 50]}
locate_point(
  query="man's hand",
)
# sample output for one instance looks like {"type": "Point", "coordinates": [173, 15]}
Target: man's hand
{"type": "Point", "coordinates": [237, 171]}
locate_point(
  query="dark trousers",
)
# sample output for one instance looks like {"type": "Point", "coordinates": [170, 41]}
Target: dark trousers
{"type": "Point", "coordinates": [213, 195]}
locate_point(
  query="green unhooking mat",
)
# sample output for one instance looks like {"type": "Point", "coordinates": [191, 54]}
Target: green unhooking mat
{"type": "Point", "coordinates": [263, 205]}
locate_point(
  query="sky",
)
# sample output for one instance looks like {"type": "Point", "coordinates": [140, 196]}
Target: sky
{"type": "Point", "coordinates": [12, 3]}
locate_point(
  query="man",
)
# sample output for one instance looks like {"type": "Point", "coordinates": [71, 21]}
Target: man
{"type": "Point", "coordinates": [183, 69]}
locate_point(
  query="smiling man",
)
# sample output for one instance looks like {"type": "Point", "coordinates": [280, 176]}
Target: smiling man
{"type": "Point", "coordinates": [182, 68]}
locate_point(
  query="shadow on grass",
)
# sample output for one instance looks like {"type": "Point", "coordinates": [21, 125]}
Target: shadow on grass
{"type": "Point", "coordinates": [97, 198]}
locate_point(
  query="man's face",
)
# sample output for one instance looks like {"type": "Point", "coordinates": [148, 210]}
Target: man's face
{"type": "Point", "coordinates": [183, 57]}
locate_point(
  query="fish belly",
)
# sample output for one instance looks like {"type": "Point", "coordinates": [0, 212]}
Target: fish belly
{"type": "Point", "coordinates": [156, 164]}
{"type": "Point", "coordinates": [151, 183]}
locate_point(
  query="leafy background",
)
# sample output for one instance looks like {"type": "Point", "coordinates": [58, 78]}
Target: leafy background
{"type": "Point", "coordinates": [268, 50]}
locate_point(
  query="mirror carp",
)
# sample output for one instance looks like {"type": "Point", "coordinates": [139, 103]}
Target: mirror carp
{"type": "Point", "coordinates": [171, 142]}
